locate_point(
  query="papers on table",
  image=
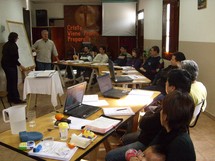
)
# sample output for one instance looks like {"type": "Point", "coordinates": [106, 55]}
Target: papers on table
{"type": "Point", "coordinates": [41, 74]}
{"type": "Point", "coordinates": [137, 77]}
{"type": "Point", "coordinates": [99, 64]}
{"type": "Point", "coordinates": [78, 123]}
{"type": "Point", "coordinates": [93, 100]}
{"type": "Point", "coordinates": [97, 103]}
{"type": "Point", "coordinates": [141, 92]}
{"type": "Point", "coordinates": [54, 150]}
{"type": "Point", "coordinates": [127, 68]}
{"type": "Point", "coordinates": [118, 111]}
{"type": "Point", "coordinates": [129, 71]}
{"type": "Point", "coordinates": [90, 98]}
{"type": "Point", "coordinates": [137, 97]}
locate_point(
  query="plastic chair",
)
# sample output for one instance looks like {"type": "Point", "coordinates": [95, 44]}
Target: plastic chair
{"type": "Point", "coordinates": [196, 114]}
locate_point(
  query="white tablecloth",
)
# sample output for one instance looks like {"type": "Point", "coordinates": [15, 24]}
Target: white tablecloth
{"type": "Point", "coordinates": [50, 86]}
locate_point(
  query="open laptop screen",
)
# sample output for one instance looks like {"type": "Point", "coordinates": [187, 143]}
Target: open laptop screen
{"type": "Point", "coordinates": [105, 83]}
{"type": "Point", "coordinates": [74, 95]}
{"type": "Point", "coordinates": [111, 68]}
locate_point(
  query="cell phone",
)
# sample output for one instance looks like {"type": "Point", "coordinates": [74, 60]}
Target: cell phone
{"type": "Point", "coordinates": [65, 120]}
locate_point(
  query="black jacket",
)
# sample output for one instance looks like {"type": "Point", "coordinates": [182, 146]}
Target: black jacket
{"type": "Point", "coordinates": [10, 55]}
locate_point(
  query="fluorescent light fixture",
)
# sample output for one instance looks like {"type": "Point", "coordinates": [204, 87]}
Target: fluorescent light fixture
{"type": "Point", "coordinates": [140, 16]}
{"type": "Point", "coordinates": [167, 26]}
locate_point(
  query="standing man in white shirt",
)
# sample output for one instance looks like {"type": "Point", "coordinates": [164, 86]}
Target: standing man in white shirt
{"type": "Point", "coordinates": [44, 48]}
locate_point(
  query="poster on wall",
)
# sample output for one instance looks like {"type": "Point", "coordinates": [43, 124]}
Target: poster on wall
{"type": "Point", "coordinates": [202, 4]}
{"type": "Point", "coordinates": [82, 27]}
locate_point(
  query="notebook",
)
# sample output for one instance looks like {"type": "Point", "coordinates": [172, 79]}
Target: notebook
{"type": "Point", "coordinates": [73, 104]}
{"type": "Point", "coordinates": [106, 87]}
{"type": "Point", "coordinates": [117, 79]}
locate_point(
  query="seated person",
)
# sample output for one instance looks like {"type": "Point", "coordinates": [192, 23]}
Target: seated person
{"type": "Point", "coordinates": [86, 57]}
{"type": "Point", "coordinates": [150, 123]}
{"type": "Point", "coordinates": [101, 57]}
{"type": "Point", "coordinates": [123, 57]}
{"type": "Point", "coordinates": [153, 64]}
{"type": "Point", "coordinates": [136, 60]}
{"type": "Point", "coordinates": [152, 153]}
{"type": "Point", "coordinates": [175, 116]}
{"type": "Point", "coordinates": [159, 81]}
{"type": "Point", "coordinates": [198, 91]}
{"type": "Point", "coordinates": [173, 139]}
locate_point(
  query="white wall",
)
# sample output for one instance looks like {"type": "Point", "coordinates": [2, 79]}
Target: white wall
{"type": "Point", "coordinates": [54, 10]}
{"type": "Point", "coordinates": [197, 40]}
{"type": "Point", "coordinates": [10, 10]}
{"type": "Point", "coordinates": [152, 18]}
{"type": "Point", "coordinates": [197, 25]}
{"type": "Point", "coordinates": [196, 37]}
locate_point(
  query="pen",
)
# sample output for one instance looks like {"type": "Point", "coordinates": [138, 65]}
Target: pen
{"type": "Point", "coordinates": [121, 109]}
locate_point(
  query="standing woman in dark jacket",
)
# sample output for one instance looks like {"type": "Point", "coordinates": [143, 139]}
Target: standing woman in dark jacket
{"type": "Point", "coordinates": [9, 64]}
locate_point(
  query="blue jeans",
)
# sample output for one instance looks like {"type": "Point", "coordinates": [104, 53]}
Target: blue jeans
{"type": "Point", "coordinates": [118, 154]}
{"type": "Point", "coordinates": [43, 66]}
{"type": "Point", "coordinates": [130, 137]}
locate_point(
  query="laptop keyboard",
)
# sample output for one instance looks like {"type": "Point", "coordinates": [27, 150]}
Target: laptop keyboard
{"type": "Point", "coordinates": [84, 111]}
{"type": "Point", "coordinates": [123, 79]}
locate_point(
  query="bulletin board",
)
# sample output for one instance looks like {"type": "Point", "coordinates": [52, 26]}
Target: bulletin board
{"type": "Point", "coordinates": [25, 52]}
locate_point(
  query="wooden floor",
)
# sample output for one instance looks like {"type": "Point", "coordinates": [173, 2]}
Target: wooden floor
{"type": "Point", "coordinates": [203, 134]}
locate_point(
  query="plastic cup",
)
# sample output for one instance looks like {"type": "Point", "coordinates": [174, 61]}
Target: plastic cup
{"type": "Point", "coordinates": [63, 129]}
{"type": "Point", "coordinates": [31, 118]}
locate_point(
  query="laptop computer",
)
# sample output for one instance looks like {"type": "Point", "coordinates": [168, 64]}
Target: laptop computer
{"type": "Point", "coordinates": [73, 104]}
{"type": "Point", "coordinates": [117, 79]}
{"type": "Point", "coordinates": [106, 88]}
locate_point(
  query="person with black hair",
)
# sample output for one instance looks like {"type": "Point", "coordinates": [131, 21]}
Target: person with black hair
{"type": "Point", "coordinates": [9, 64]}
{"type": "Point", "coordinates": [136, 61]}
{"type": "Point", "coordinates": [101, 57]}
{"type": "Point", "coordinates": [149, 124]}
{"type": "Point", "coordinates": [159, 81]}
{"type": "Point", "coordinates": [153, 64]}
{"type": "Point", "coordinates": [123, 57]}
{"type": "Point", "coordinates": [173, 140]}
{"type": "Point", "coordinates": [175, 117]}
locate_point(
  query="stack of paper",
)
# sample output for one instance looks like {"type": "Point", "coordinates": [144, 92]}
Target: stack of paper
{"type": "Point", "coordinates": [103, 124]}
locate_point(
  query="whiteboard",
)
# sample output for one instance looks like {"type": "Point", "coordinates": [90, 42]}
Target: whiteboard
{"type": "Point", "coordinates": [25, 52]}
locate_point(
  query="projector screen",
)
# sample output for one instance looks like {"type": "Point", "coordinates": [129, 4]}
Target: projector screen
{"type": "Point", "coordinates": [118, 19]}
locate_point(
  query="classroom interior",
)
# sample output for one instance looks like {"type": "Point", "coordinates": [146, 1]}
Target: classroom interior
{"type": "Point", "coordinates": [195, 38]}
